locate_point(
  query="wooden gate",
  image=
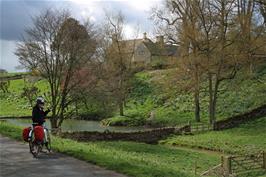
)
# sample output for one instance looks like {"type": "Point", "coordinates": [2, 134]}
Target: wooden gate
{"type": "Point", "coordinates": [200, 127]}
{"type": "Point", "coordinates": [243, 163]}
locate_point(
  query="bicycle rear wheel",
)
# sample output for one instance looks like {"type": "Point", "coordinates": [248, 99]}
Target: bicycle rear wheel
{"type": "Point", "coordinates": [35, 147]}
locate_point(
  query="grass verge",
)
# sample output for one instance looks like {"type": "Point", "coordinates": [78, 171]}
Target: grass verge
{"type": "Point", "coordinates": [130, 158]}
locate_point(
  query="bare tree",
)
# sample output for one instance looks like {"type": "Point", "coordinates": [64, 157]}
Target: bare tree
{"type": "Point", "coordinates": [118, 59]}
{"type": "Point", "coordinates": [250, 32]}
{"type": "Point", "coordinates": [180, 25]}
{"type": "Point", "coordinates": [207, 35]}
{"type": "Point", "coordinates": [57, 46]}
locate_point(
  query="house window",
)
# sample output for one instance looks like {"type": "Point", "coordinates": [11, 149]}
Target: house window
{"type": "Point", "coordinates": [141, 50]}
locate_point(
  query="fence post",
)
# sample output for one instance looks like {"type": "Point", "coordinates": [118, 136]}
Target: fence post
{"type": "Point", "coordinates": [214, 126]}
{"type": "Point", "coordinates": [196, 166]}
{"type": "Point", "coordinates": [189, 125]}
{"type": "Point", "coordinates": [226, 163]}
{"type": "Point", "coordinates": [264, 159]}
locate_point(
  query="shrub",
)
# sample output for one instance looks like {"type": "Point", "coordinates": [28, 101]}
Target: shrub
{"type": "Point", "coordinates": [123, 121]}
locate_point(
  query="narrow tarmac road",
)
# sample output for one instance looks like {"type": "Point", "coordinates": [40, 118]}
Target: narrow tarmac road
{"type": "Point", "coordinates": [16, 161]}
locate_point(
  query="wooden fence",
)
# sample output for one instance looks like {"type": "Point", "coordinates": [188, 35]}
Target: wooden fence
{"type": "Point", "coordinates": [199, 127]}
{"type": "Point", "coordinates": [243, 163]}
{"type": "Point", "coordinates": [7, 78]}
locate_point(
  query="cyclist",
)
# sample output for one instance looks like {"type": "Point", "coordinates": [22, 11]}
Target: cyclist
{"type": "Point", "coordinates": [38, 113]}
{"type": "Point", "coordinates": [38, 116]}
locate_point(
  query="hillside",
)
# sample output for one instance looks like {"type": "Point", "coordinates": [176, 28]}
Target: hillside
{"type": "Point", "coordinates": [152, 92]}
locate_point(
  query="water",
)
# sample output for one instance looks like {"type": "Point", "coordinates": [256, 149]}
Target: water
{"type": "Point", "coordinates": [79, 125]}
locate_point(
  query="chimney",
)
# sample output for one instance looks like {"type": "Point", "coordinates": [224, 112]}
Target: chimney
{"type": "Point", "coordinates": [160, 40]}
{"type": "Point", "coordinates": [145, 36]}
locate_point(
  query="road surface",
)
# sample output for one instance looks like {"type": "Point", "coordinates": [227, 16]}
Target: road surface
{"type": "Point", "coordinates": [16, 161]}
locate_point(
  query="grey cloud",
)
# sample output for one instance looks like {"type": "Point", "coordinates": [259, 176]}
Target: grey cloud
{"type": "Point", "coordinates": [16, 16]}
{"type": "Point", "coordinates": [132, 16]}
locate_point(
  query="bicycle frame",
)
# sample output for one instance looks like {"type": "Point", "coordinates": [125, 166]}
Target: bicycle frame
{"type": "Point", "coordinates": [39, 145]}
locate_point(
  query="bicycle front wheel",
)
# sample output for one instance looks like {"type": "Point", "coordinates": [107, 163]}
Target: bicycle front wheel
{"type": "Point", "coordinates": [35, 148]}
{"type": "Point", "coordinates": [48, 143]}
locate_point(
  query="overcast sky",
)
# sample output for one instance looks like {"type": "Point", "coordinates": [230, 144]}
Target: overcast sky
{"type": "Point", "coordinates": [16, 16]}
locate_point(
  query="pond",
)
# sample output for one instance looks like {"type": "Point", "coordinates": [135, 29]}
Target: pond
{"type": "Point", "coordinates": [80, 125]}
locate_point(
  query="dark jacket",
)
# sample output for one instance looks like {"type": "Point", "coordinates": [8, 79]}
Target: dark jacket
{"type": "Point", "coordinates": [38, 115]}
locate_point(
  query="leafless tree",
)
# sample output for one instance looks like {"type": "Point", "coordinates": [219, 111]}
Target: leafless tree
{"type": "Point", "coordinates": [208, 32]}
{"type": "Point", "coordinates": [118, 53]}
{"type": "Point", "coordinates": [57, 46]}
{"type": "Point", "coordinates": [180, 23]}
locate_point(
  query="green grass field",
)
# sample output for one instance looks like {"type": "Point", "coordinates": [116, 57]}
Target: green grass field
{"type": "Point", "coordinates": [13, 104]}
{"type": "Point", "coordinates": [247, 138]}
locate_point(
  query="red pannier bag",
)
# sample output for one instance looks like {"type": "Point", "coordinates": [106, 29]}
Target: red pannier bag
{"type": "Point", "coordinates": [38, 133]}
{"type": "Point", "coordinates": [25, 133]}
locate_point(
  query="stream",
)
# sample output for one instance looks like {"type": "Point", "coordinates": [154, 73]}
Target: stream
{"type": "Point", "coordinates": [80, 125]}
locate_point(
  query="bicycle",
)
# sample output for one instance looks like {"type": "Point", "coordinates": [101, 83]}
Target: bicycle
{"type": "Point", "coordinates": [37, 146]}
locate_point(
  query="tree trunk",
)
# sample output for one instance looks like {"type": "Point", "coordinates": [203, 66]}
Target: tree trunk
{"type": "Point", "coordinates": [213, 109]}
{"type": "Point", "coordinates": [196, 97]}
{"type": "Point", "coordinates": [210, 99]}
{"type": "Point", "coordinates": [212, 112]}
{"type": "Point", "coordinates": [53, 122]}
{"type": "Point", "coordinates": [53, 107]}
{"type": "Point", "coordinates": [197, 106]}
{"type": "Point", "coordinates": [61, 118]}
{"type": "Point", "coordinates": [121, 108]}
{"type": "Point", "coordinates": [213, 100]}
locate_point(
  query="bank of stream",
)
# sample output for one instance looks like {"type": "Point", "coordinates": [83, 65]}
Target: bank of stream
{"type": "Point", "coordinates": [80, 125]}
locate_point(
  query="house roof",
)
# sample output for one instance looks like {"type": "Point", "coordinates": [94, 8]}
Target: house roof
{"type": "Point", "coordinates": [155, 48]}
{"type": "Point", "coordinates": [128, 46]}
{"type": "Point", "coordinates": [158, 49]}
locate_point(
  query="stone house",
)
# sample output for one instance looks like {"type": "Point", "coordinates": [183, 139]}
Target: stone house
{"type": "Point", "coordinates": [144, 52]}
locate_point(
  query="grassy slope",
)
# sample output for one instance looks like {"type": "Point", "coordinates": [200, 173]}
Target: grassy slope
{"type": "Point", "coordinates": [133, 159]}
{"type": "Point", "coordinates": [247, 138]}
{"type": "Point", "coordinates": [151, 93]}
{"type": "Point", "coordinates": [12, 103]}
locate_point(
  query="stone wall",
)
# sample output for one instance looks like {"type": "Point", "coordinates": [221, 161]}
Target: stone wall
{"type": "Point", "coordinates": [151, 136]}
{"type": "Point", "coordinates": [242, 118]}
{"type": "Point", "coordinates": [15, 117]}
{"type": "Point", "coordinates": [20, 117]}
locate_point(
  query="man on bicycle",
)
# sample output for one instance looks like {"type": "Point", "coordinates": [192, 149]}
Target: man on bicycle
{"type": "Point", "coordinates": [38, 113]}
{"type": "Point", "coordinates": [38, 116]}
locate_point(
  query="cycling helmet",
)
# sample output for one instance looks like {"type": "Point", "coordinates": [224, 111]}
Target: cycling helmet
{"type": "Point", "coordinates": [40, 100]}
